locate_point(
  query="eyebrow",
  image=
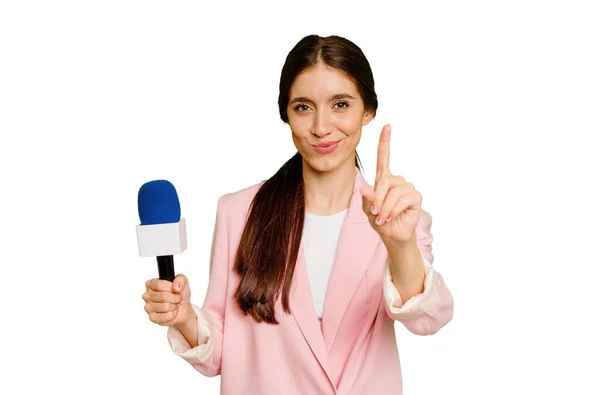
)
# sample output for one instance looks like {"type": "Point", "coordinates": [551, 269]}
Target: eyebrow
{"type": "Point", "coordinates": [332, 98]}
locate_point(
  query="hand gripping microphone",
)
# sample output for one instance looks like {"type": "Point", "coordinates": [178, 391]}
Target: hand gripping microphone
{"type": "Point", "coordinates": [162, 230]}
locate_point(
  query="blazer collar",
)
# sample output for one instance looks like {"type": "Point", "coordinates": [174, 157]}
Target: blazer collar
{"type": "Point", "coordinates": [355, 211]}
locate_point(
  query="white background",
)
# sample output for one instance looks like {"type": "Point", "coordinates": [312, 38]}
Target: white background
{"type": "Point", "coordinates": [494, 108]}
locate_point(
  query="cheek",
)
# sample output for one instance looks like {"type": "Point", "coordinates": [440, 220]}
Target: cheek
{"type": "Point", "coordinates": [301, 127]}
{"type": "Point", "coordinates": [299, 123]}
{"type": "Point", "coordinates": [299, 132]}
{"type": "Point", "coordinates": [349, 125]}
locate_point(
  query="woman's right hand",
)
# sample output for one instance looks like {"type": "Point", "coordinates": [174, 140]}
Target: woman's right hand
{"type": "Point", "coordinates": [168, 303]}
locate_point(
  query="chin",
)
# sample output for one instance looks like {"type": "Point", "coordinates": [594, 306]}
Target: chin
{"type": "Point", "coordinates": [324, 167]}
{"type": "Point", "coordinates": [326, 163]}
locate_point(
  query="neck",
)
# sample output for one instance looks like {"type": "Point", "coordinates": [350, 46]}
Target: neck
{"type": "Point", "coordinates": [329, 192]}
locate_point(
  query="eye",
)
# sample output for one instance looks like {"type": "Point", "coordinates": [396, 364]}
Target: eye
{"type": "Point", "coordinates": [301, 107]}
{"type": "Point", "coordinates": [341, 105]}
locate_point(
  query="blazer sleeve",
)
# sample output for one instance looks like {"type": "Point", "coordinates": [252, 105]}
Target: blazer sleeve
{"type": "Point", "coordinates": [427, 312]}
{"type": "Point", "coordinates": [206, 357]}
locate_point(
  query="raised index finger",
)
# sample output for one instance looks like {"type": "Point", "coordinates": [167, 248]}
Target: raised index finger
{"type": "Point", "coordinates": [383, 152]}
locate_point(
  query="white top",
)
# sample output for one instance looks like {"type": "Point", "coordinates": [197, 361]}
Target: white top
{"type": "Point", "coordinates": [320, 238]}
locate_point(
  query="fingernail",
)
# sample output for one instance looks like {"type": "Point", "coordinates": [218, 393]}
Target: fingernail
{"type": "Point", "coordinates": [388, 218]}
{"type": "Point", "coordinates": [178, 286]}
{"type": "Point", "coordinates": [378, 220]}
{"type": "Point", "coordinates": [373, 209]}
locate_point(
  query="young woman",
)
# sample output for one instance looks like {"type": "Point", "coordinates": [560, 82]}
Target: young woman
{"type": "Point", "coordinates": [310, 269]}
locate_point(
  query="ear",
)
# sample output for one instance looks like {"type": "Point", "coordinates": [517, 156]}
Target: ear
{"type": "Point", "coordinates": [367, 117]}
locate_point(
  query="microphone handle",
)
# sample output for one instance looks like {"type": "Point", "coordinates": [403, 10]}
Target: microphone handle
{"type": "Point", "coordinates": [166, 270]}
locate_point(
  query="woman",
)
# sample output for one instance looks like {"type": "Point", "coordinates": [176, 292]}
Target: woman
{"type": "Point", "coordinates": [310, 269]}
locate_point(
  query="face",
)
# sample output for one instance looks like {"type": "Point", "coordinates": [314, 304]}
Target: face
{"type": "Point", "coordinates": [326, 114]}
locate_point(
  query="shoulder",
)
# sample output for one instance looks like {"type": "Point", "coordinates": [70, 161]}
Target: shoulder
{"type": "Point", "coordinates": [235, 205]}
{"type": "Point", "coordinates": [241, 197]}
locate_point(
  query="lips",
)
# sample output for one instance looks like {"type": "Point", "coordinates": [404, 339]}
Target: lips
{"type": "Point", "coordinates": [325, 144]}
{"type": "Point", "coordinates": [326, 147]}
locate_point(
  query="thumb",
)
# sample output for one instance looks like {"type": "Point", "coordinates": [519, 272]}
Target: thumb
{"type": "Point", "coordinates": [367, 193]}
{"type": "Point", "coordinates": [179, 283]}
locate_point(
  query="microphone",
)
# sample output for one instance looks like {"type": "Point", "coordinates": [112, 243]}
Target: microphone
{"type": "Point", "coordinates": [161, 232]}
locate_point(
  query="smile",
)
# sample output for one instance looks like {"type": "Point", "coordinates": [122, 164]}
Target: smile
{"type": "Point", "coordinates": [326, 147]}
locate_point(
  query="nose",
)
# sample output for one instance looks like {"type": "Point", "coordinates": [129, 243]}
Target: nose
{"type": "Point", "coordinates": [322, 125]}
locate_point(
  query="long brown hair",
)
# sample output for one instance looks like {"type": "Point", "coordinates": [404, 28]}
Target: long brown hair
{"type": "Point", "coordinates": [267, 253]}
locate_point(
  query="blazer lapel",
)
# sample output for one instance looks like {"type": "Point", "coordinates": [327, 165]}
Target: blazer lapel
{"type": "Point", "coordinates": [303, 310]}
{"type": "Point", "coordinates": [355, 250]}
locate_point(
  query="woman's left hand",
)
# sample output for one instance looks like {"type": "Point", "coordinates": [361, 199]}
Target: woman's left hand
{"type": "Point", "coordinates": [393, 205]}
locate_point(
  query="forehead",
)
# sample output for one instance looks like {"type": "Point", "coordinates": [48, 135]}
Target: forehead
{"type": "Point", "coordinates": [322, 81]}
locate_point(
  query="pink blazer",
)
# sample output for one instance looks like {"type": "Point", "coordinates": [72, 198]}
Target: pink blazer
{"type": "Point", "coordinates": [355, 351]}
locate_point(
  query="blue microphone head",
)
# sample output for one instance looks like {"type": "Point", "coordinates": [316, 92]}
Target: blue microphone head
{"type": "Point", "coordinates": [158, 203]}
